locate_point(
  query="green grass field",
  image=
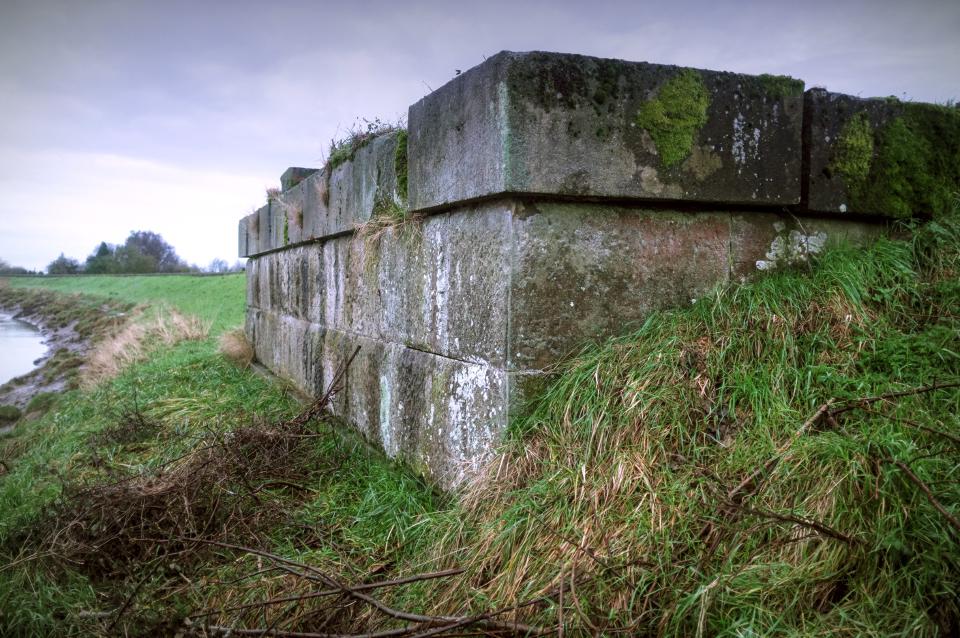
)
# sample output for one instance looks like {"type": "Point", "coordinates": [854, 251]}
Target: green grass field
{"type": "Point", "coordinates": [220, 299]}
{"type": "Point", "coordinates": [782, 458]}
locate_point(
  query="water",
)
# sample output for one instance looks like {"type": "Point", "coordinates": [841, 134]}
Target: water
{"type": "Point", "coordinates": [20, 345]}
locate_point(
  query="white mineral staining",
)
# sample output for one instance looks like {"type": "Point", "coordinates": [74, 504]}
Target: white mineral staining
{"type": "Point", "coordinates": [795, 248]}
{"type": "Point", "coordinates": [745, 143]}
{"type": "Point", "coordinates": [386, 431]}
{"type": "Point", "coordinates": [472, 416]}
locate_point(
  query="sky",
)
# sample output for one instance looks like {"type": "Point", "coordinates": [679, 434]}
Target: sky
{"type": "Point", "coordinates": [175, 117]}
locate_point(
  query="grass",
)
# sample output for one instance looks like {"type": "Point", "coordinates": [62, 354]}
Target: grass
{"type": "Point", "coordinates": [219, 300]}
{"type": "Point", "coordinates": [716, 473]}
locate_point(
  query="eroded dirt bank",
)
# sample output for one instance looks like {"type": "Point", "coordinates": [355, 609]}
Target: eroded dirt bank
{"type": "Point", "coordinates": [70, 326]}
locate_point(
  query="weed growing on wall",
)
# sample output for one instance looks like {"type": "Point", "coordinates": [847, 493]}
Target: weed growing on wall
{"type": "Point", "coordinates": [360, 134]}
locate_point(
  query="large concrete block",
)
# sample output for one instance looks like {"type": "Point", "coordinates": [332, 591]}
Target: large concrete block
{"type": "Point", "coordinates": [316, 210]}
{"type": "Point", "coordinates": [363, 184]}
{"type": "Point", "coordinates": [265, 231]}
{"type": "Point", "coordinates": [291, 348]}
{"type": "Point", "coordinates": [243, 239]}
{"type": "Point", "coordinates": [441, 415]}
{"type": "Point", "coordinates": [252, 274]}
{"type": "Point", "coordinates": [249, 235]}
{"type": "Point", "coordinates": [573, 125]}
{"type": "Point", "coordinates": [438, 284]}
{"type": "Point", "coordinates": [294, 175]}
{"type": "Point", "coordinates": [583, 271]}
{"type": "Point", "coordinates": [879, 156]}
{"type": "Point", "coordinates": [335, 200]}
{"type": "Point", "coordinates": [286, 212]}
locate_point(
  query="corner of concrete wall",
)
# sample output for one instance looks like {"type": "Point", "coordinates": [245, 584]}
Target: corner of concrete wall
{"type": "Point", "coordinates": [547, 204]}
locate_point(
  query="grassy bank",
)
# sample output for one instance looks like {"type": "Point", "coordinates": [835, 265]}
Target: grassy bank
{"type": "Point", "coordinates": [219, 300]}
{"type": "Point", "coordinates": [781, 458]}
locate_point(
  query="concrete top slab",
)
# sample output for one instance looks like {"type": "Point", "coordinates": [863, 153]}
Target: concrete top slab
{"type": "Point", "coordinates": [572, 125]}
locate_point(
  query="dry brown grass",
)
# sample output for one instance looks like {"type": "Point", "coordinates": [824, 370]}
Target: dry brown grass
{"type": "Point", "coordinates": [236, 348]}
{"type": "Point", "coordinates": [136, 339]}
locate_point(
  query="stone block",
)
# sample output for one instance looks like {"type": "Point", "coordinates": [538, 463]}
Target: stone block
{"type": "Point", "coordinates": [571, 125]}
{"type": "Point", "coordinates": [243, 249]}
{"type": "Point", "coordinates": [334, 201]}
{"type": "Point", "coordinates": [286, 210]}
{"type": "Point", "coordinates": [879, 156]}
{"type": "Point", "coordinates": [439, 284]}
{"type": "Point", "coordinates": [294, 175]}
{"type": "Point", "coordinates": [252, 274]}
{"type": "Point", "coordinates": [265, 232]}
{"type": "Point", "coordinates": [440, 415]}
{"type": "Point", "coordinates": [582, 272]}
{"type": "Point", "coordinates": [361, 185]}
{"type": "Point", "coordinates": [289, 347]}
{"type": "Point", "coordinates": [249, 241]}
{"type": "Point", "coordinates": [316, 197]}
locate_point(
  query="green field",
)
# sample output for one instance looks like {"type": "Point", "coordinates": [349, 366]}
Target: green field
{"type": "Point", "coordinates": [781, 458]}
{"type": "Point", "coordinates": [219, 299]}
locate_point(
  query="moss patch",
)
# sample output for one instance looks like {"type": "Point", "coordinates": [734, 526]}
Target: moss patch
{"type": "Point", "coordinates": [780, 86]}
{"type": "Point", "coordinates": [853, 154]}
{"type": "Point", "coordinates": [400, 164]}
{"type": "Point", "coordinates": [286, 230]}
{"type": "Point", "coordinates": [675, 116]}
{"type": "Point", "coordinates": [914, 165]}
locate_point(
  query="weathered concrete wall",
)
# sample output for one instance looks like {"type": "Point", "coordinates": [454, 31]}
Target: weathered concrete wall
{"type": "Point", "coordinates": [553, 199]}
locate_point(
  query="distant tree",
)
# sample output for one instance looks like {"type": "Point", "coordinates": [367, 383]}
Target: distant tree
{"type": "Point", "coordinates": [218, 266]}
{"type": "Point", "coordinates": [152, 245]}
{"type": "Point", "coordinates": [130, 259]}
{"type": "Point", "coordinates": [7, 269]}
{"type": "Point", "coordinates": [103, 261]}
{"type": "Point", "coordinates": [142, 252]}
{"type": "Point", "coordinates": [63, 265]}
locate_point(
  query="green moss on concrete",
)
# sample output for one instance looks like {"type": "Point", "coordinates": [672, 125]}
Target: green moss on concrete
{"type": "Point", "coordinates": [675, 116]}
{"type": "Point", "coordinates": [853, 153]}
{"type": "Point", "coordinates": [780, 86]}
{"type": "Point", "coordinates": [400, 164]}
{"type": "Point", "coordinates": [286, 230]}
{"type": "Point", "coordinates": [915, 170]}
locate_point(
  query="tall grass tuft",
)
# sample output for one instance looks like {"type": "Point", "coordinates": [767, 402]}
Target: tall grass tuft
{"type": "Point", "coordinates": [135, 341]}
{"type": "Point", "coordinates": [236, 348]}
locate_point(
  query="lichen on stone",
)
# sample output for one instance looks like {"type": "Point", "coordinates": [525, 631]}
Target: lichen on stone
{"type": "Point", "coordinates": [675, 116]}
{"type": "Point", "coordinates": [853, 153]}
{"type": "Point", "coordinates": [780, 86]}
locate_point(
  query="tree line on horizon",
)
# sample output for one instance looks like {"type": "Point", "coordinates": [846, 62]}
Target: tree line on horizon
{"type": "Point", "coordinates": [143, 252]}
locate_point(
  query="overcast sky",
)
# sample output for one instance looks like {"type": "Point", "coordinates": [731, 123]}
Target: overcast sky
{"type": "Point", "coordinates": [176, 116]}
